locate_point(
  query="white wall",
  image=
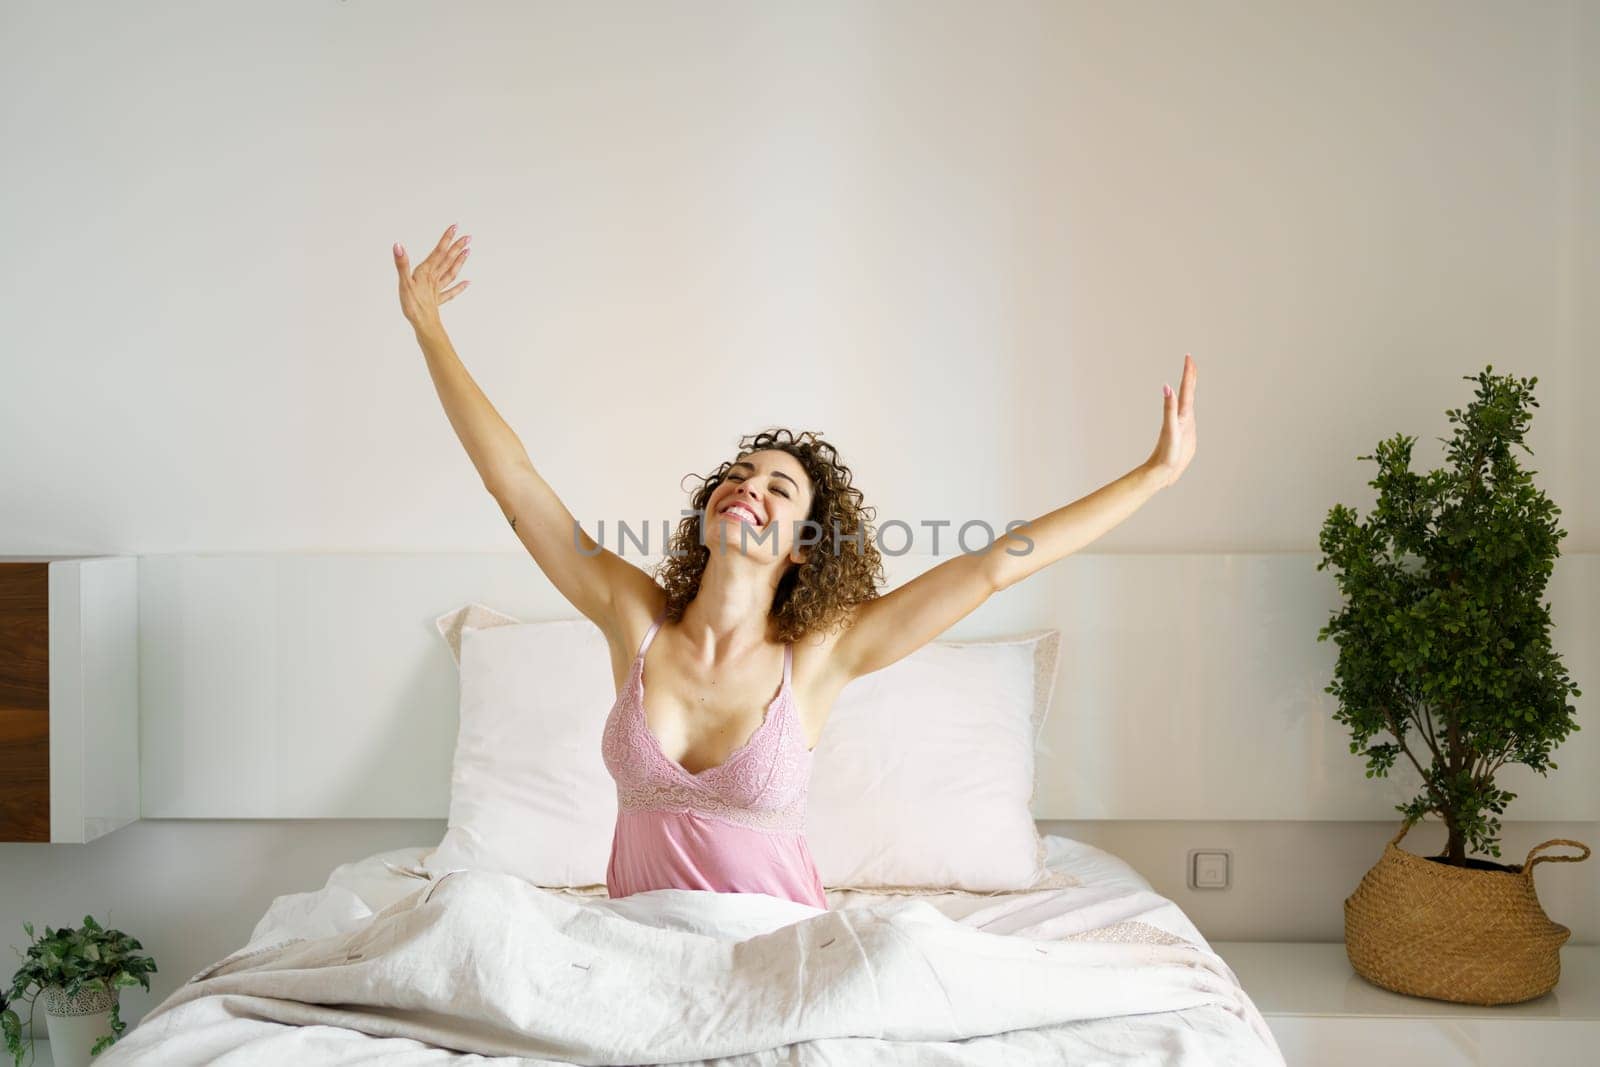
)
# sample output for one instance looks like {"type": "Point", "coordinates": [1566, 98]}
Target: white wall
{"type": "Point", "coordinates": [968, 242]}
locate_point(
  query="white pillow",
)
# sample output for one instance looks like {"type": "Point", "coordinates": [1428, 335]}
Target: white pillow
{"type": "Point", "coordinates": [923, 778]}
{"type": "Point", "coordinates": [452, 624]}
{"type": "Point", "coordinates": [529, 792]}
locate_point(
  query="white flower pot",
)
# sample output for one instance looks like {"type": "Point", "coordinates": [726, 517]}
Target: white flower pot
{"type": "Point", "coordinates": [76, 1023]}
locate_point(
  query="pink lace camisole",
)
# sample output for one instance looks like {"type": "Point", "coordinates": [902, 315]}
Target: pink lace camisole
{"type": "Point", "coordinates": [738, 827]}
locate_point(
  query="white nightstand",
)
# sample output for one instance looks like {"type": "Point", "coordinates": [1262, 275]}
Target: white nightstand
{"type": "Point", "coordinates": [1322, 1012]}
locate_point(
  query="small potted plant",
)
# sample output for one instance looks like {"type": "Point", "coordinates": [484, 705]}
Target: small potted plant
{"type": "Point", "coordinates": [80, 973]}
{"type": "Point", "coordinates": [1445, 661]}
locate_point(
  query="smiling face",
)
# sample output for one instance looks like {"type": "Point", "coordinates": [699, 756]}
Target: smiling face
{"type": "Point", "coordinates": [820, 571]}
{"type": "Point", "coordinates": [759, 505]}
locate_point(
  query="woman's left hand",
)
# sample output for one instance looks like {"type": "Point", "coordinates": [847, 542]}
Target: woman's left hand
{"type": "Point", "coordinates": [1175, 448]}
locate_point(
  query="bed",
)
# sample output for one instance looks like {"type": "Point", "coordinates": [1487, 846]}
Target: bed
{"type": "Point", "coordinates": [954, 933]}
{"type": "Point", "coordinates": [390, 963]}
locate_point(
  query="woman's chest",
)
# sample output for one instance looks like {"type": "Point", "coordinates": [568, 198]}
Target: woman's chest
{"type": "Point", "coordinates": [702, 723]}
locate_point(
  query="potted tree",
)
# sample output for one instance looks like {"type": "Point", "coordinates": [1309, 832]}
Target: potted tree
{"type": "Point", "coordinates": [80, 973]}
{"type": "Point", "coordinates": [1445, 661]}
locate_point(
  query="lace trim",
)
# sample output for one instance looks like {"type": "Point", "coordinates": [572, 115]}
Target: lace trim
{"type": "Point", "coordinates": [1054, 880]}
{"type": "Point", "coordinates": [680, 800]}
{"type": "Point", "coordinates": [1128, 932]}
{"type": "Point", "coordinates": [1048, 880]}
{"type": "Point", "coordinates": [452, 624]}
{"type": "Point", "coordinates": [88, 1000]}
{"type": "Point", "coordinates": [761, 786]}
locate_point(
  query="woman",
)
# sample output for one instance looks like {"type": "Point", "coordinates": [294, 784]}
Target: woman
{"type": "Point", "coordinates": [773, 576]}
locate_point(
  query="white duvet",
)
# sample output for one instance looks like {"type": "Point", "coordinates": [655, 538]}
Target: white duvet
{"type": "Point", "coordinates": [481, 964]}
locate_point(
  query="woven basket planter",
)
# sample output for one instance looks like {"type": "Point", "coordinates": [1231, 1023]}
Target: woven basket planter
{"type": "Point", "coordinates": [1474, 936]}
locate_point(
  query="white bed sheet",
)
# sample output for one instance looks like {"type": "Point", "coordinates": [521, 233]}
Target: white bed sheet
{"type": "Point", "coordinates": [1110, 904]}
{"type": "Point", "coordinates": [381, 879]}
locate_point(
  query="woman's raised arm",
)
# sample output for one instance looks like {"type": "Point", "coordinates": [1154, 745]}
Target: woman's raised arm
{"type": "Point", "coordinates": [491, 444]}
{"type": "Point", "coordinates": [594, 580]}
{"type": "Point", "coordinates": [900, 622]}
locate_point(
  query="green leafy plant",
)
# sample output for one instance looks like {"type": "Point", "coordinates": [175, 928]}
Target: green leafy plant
{"type": "Point", "coordinates": [93, 957]}
{"type": "Point", "coordinates": [1444, 645]}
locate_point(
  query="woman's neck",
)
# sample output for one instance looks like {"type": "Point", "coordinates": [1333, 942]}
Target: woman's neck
{"type": "Point", "coordinates": [730, 615]}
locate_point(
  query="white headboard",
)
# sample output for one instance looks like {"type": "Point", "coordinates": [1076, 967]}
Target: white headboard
{"type": "Point", "coordinates": [1190, 686]}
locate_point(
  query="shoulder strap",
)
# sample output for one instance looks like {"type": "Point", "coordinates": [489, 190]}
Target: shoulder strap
{"type": "Point", "coordinates": [788, 660]}
{"type": "Point", "coordinates": [650, 634]}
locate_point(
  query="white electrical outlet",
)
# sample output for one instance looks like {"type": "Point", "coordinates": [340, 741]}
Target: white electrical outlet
{"type": "Point", "coordinates": [1210, 868]}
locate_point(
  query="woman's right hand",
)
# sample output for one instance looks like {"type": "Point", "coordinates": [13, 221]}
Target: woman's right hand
{"type": "Point", "coordinates": [423, 290]}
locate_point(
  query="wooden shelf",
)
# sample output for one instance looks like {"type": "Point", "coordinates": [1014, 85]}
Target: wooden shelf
{"type": "Point", "coordinates": [69, 697]}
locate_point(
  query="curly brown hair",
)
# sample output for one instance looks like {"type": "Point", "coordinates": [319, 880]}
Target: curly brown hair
{"type": "Point", "coordinates": [838, 573]}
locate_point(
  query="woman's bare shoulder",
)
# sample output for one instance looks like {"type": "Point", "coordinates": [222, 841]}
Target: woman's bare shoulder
{"type": "Point", "coordinates": [813, 653]}
{"type": "Point", "coordinates": [631, 618]}
{"type": "Point", "coordinates": [819, 677]}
